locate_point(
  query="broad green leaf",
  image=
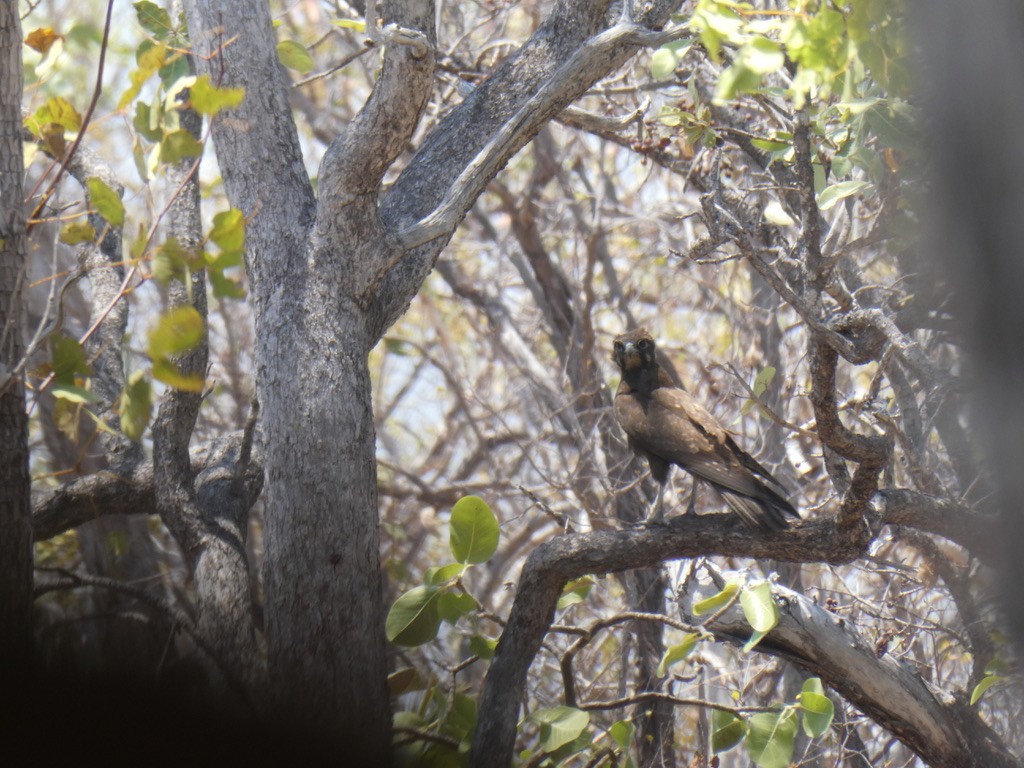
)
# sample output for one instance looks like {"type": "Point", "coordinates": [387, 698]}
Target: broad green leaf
{"type": "Point", "coordinates": [473, 530]}
{"type": "Point", "coordinates": [77, 232]}
{"type": "Point", "coordinates": [228, 230]}
{"type": "Point", "coordinates": [67, 358]}
{"type": "Point", "coordinates": [294, 56]}
{"type": "Point", "coordinates": [56, 110]}
{"type": "Point", "coordinates": [224, 286]}
{"type": "Point", "coordinates": [761, 55]}
{"type": "Point", "coordinates": [179, 144]}
{"type": "Point", "coordinates": [414, 618]}
{"type": "Point", "coordinates": [979, 690]}
{"type": "Point", "coordinates": [451, 606]}
{"type": "Point", "coordinates": [713, 603]}
{"type": "Point", "coordinates": [759, 606]}
{"type": "Point", "coordinates": [763, 379]}
{"type": "Point", "coordinates": [771, 145]}
{"type": "Point", "coordinates": [755, 637]}
{"type": "Point", "coordinates": [559, 725]}
{"type": "Point", "coordinates": [816, 707]}
{"type": "Point", "coordinates": [169, 265]}
{"type": "Point", "coordinates": [442, 575]}
{"type": "Point", "coordinates": [483, 646]}
{"type": "Point", "coordinates": [355, 24]}
{"type": "Point", "coordinates": [176, 332]}
{"type": "Point", "coordinates": [153, 19]}
{"type": "Point", "coordinates": [717, 22]}
{"type": "Point", "coordinates": [672, 116]}
{"type": "Point", "coordinates": [663, 64]}
{"type": "Point", "coordinates": [575, 592]}
{"type": "Point", "coordinates": [622, 732]}
{"type": "Point", "coordinates": [727, 731]}
{"type": "Point", "coordinates": [73, 394]}
{"type": "Point", "coordinates": [166, 371]}
{"type": "Point", "coordinates": [855, 107]}
{"type": "Point", "coordinates": [461, 718]}
{"type": "Point", "coordinates": [175, 68]}
{"type": "Point", "coordinates": [150, 58]}
{"type": "Point", "coordinates": [833, 193]}
{"type": "Point", "coordinates": [105, 200]}
{"type": "Point", "coordinates": [136, 405]}
{"type": "Point", "coordinates": [208, 99]}
{"type": "Point", "coordinates": [676, 653]}
{"type": "Point", "coordinates": [770, 738]}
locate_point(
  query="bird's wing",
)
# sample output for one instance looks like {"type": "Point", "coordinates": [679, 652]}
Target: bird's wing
{"type": "Point", "coordinates": [678, 428]}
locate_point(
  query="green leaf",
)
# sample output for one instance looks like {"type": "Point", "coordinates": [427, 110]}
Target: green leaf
{"type": "Point", "coordinates": [833, 193]}
{"type": "Point", "coordinates": [483, 646]}
{"type": "Point", "coordinates": [979, 690]}
{"type": "Point", "coordinates": [622, 731]}
{"type": "Point", "coordinates": [168, 263]}
{"type": "Point", "coordinates": [135, 405]}
{"type": "Point", "coordinates": [208, 99]}
{"type": "Point", "coordinates": [229, 230]}
{"type": "Point", "coordinates": [772, 145]}
{"type": "Point", "coordinates": [166, 371]}
{"type": "Point", "coordinates": [451, 606]}
{"type": "Point", "coordinates": [727, 731]}
{"type": "Point", "coordinates": [755, 637]}
{"type": "Point", "coordinates": [461, 718]}
{"type": "Point", "coordinates": [153, 19]}
{"type": "Point", "coordinates": [676, 653]}
{"type": "Point", "coordinates": [816, 707]}
{"type": "Point", "coordinates": [147, 121]}
{"type": "Point", "coordinates": [176, 332]}
{"type": "Point", "coordinates": [73, 394]}
{"type": "Point", "coordinates": [105, 200]}
{"type": "Point", "coordinates": [770, 738]}
{"type": "Point", "coordinates": [715, 602]}
{"type": "Point", "coordinates": [56, 110]}
{"type": "Point", "coordinates": [77, 232]}
{"type": "Point", "coordinates": [473, 530]}
{"type": "Point", "coordinates": [356, 24]}
{"type": "Point", "coordinates": [559, 725]}
{"type": "Point", "coordinates": [179, 144]}
{"type": "Point", "coordinates": [224, 286]}
{"type": "Point", "coordinates": [443, 575]}
{"type": "Point", "coordinates": [67, 358]}
{"type": "Point", "coordinates": [759, 606]}
{"type": "Point", "coordinates": [762, 55]}
{"type": "Point", "coordinates": [294, 56]}
{"type": "Point", "coordinates": [575, 592]}
{"type": "Point", "coordinates": [763, 379]}
{"type": "Point", "coordinates": [414, 618]}
{"type": "Point", "coordinates": [663, 64]}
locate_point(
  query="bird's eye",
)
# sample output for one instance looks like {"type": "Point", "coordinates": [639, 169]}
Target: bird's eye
{"type": "Point", "coordinates": [643, 344]}
{"type": "Point", "coordinates": [617, 346]}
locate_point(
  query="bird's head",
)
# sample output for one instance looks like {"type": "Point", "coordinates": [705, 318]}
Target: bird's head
{"type": "Point", "coordinates": [634, 351]}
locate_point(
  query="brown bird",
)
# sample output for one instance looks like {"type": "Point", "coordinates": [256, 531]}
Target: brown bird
{"type": "Point", "coordinates": [665, 424]}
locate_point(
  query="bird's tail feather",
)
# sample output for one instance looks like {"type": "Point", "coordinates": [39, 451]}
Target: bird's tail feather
{"type": "Point", "coordinates": [766, 514]}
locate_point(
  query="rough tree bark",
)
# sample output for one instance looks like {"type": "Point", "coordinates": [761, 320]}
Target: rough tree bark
{"type": "Point", "coordinates": [328, 277]}
{"type": "Point", "coordinates": [15, 499]}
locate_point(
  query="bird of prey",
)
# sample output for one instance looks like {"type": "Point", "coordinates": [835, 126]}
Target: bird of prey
{"type": "Point", "coordinates": [665, 424]}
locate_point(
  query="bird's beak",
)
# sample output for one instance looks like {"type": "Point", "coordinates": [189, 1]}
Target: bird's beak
{"type": "Point", "coordinates": [631, 357]}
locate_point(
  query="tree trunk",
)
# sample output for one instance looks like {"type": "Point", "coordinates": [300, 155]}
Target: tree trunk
{"type": "Point", "coordinates": [15, 489]}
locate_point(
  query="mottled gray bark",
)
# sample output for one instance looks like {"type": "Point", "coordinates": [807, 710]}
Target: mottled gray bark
{"type": "Point", "coordinates": [15, 521]}
{"type": "Point", "coordinates": [328, 278]}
